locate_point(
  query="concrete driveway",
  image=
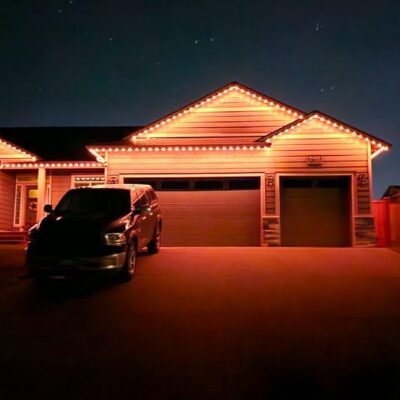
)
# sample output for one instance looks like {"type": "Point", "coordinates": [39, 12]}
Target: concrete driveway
{"type": "Point", "coordinates": [208, 323]}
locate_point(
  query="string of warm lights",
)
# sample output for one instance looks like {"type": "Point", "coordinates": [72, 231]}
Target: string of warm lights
{"type": "Point", "coordinates": [98, 157]}
{"type": "Point", "coordinates": [97, 150]}
{"type": "Point", "coordinates": [17, 149]}
{"type": "Point", "coordinates": [334, 124]}
{"type": "Point", "coordinates": [179, 114]}
{"type": "Point", "coordinates": [52, 165]}
{"type": "Point", "coordinates": [89, 179]}
{"type": "Point", "coordinates": [379, 151]}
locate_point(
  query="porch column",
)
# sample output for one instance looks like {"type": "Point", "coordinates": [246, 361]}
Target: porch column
{"type": "Point", "coordinates": [41, 192]}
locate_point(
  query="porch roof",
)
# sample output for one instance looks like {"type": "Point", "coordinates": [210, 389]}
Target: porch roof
{"type": "Point", "coordinates": [59, 143]}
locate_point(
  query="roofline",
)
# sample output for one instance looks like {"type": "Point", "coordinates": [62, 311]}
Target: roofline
{"type": "Point", "coordinates": [51, 165]}
{"type": "Point", "coordinates": [323, 115]}
{"type": "Point", "coordinates": [221, 89]}
{"type": "Point", "coordinates": [18, 148]}
{"type": "Point", "coordinates": [252, 146]}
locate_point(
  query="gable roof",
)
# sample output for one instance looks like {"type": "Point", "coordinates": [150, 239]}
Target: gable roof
{"type": "Point", "coordinates": [378, 145]}
{"type": "Point", "coordinates": [11, 151]}
{"type": "Point", "coordinates": [62, 143]}
{"type": "Point", "coordinates": [251, 96]}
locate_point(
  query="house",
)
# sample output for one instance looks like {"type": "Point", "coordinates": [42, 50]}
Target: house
{"type": "Point", "coordinates": [392, 193]}
{"type": "Point", "coordinates": [234, 168]}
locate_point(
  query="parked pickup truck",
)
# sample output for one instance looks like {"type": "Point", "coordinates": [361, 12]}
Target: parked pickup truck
{"type": "Point", "coordinates": [98, 229]}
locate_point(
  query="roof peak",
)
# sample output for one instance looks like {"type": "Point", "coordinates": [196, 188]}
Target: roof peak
{"type": "Point", "coordinates": [227, 88]}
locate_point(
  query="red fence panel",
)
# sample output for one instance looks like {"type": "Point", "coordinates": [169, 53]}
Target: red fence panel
{"type": "Point", "coordinates": [381, 213]}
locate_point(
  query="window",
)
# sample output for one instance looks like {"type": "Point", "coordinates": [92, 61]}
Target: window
{"type": "Point", "coordinates": [175, 185]}
{"type": "Point", "coordinates": [152, 195]}
{"type": "Point", "coordinates": [151, 182]}
{"type": "Point", "coordinates": [193, 183]}
{"type": "Point", "coordinates": [110, 201]}
{"type": "Point", "coordinates": [244, 184]}
{"type": "Point", "coordinates": [209, 185]}
{"type": "Point", "coordinates": [87, 180]}
{"type": "Point", "coordinates": [333, 183]}
{"type": "Point", "coordinates": [297, 183]}
{"type": "Point", "coordinates": [143, 201]}
{"type": "Point", "coordinates": [18, 201]}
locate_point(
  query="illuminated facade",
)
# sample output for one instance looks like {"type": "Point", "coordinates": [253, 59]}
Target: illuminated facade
{"type": "Point", "coordinates": [235, 168]}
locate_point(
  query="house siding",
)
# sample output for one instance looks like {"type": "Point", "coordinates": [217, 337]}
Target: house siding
{"type": "Point", "coordinates": [60, 183]}
{"type": "Point", "coordinates": [7, 193]}
{"type": "Point", "coordinates": [341, 154]}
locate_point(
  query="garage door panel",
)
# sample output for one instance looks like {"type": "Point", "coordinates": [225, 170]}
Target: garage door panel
{"type": "Point", "coordinates": [198, 231]}
{"type": "Point", "coordinates": [211, 197]}
{"type": "Point", "coordinates": [211, 218]}
{"type": "Point", "coordinates": [315, 216]}
{"type": "Point", "coordinates": [210, 211]}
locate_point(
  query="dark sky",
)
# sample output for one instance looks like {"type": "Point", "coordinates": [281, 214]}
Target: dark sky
{"type": "Point", "coordinates": [113, 62]}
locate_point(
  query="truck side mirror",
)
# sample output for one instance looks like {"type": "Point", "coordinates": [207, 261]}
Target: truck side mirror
{"type": "Point", "coordinates": [48, 208]}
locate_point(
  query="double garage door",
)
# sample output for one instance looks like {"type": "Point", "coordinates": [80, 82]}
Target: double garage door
{"type": "Point", "coordinates": [208, 211]}
{"type": "Point", "coordinates": [315, 211]}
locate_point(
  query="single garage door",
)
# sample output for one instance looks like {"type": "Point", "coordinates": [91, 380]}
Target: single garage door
{"type": "Point", "coordinates": [315, 211]}
{"type": "Point", "coordinates": [208, 211]}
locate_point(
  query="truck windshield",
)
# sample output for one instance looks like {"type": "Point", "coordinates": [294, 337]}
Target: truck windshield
{"type": "Point", "coordinates": [83, 201]}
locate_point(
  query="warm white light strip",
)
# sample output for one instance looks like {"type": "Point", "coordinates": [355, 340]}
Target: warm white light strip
{"type": "Point", "coordinates": [89, 179]}
{"type": "Point", "coordinates": [95, 151]}
{"type": "Point", "coordinates": [329, 122]}
{"type": "Point", "coordinates": [379, 151]}
{"type": "Point", "coordinates": [53, 165]}
{"type": "Point", "coordinates": [215, 96]}
{"type": "Point", "coordinates": [15, 148]}
{"type": "Point", "coordinates": [99, 158]}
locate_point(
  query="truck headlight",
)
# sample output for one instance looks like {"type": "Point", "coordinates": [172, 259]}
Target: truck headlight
{"type": "Point", "coordinates": [115, 239]}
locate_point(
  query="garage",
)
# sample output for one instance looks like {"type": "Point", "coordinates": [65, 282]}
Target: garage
{"type": "Point", "coordinates": [315, 211]}
{"type": "Point", "coordinates": [223, 211]}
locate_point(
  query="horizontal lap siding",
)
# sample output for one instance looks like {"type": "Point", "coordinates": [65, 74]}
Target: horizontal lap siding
{"type": "Point", "coordinates": [232, 114]}
{"type": "Point", "coordinates": [234, 162]}
{"type": "Point", "coordinates": [60, 184]}
{"type": "Point", "coordinates": [7, 193]}
{"type": "Point", "coordinates": [341, 154]}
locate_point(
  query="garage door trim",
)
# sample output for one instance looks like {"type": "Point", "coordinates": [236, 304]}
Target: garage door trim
{"type": "Point", "coordinates": [280, 176]}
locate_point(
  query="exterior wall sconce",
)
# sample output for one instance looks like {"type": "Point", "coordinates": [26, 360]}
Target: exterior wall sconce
{"type": "Point", "coordinates": [270, 180]}
{"type": "Point", "coordinates": [362, 180]}
{"type": "Point", "coordinates": [314, 161]}
{"type": "Point", "coordinates": [112, 179]}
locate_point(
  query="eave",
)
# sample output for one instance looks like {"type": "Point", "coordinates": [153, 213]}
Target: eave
{"type": "Point", "coordinates": [173, 116]}
{"type": "Point", "coordinates": [377, 145]}
{"type": "Point", "coordinates": [100, 153]}
{"type": "Point", "coordinates": [51, 165]}
{"type": "Point", "coordinates": [14, 152]}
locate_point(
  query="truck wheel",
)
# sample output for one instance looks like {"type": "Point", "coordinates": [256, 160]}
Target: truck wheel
{"type": "Point", "coordinates": [154, 246]}
{"type": "Point", "coordinates": [128, 269]}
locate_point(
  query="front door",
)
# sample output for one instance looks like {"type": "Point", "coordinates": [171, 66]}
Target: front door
{"type": "Point", "coordinates": [30, 206]}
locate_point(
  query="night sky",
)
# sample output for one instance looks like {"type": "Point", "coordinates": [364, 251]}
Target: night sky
{"type": "Point", "coordinates": [124, 63]}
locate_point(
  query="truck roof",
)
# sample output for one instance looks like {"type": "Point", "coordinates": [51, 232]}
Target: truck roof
{"type": "Point", "coordinates": [130, 186]}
